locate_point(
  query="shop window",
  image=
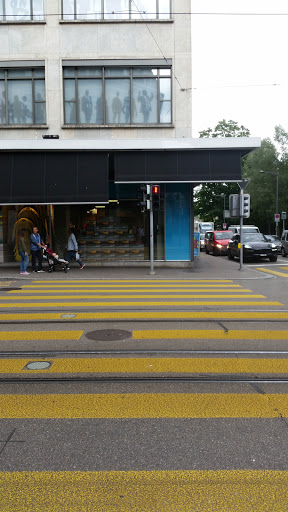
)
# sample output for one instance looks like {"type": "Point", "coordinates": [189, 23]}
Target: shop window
{"type": "Point", "coordinates": [117, 95]}
{"type": "Point", "coordinates": [22, 97]}
{"type": "Point", "coordinates": [21, 10]}
{"type": "Point", "coordinates": [116, 9]}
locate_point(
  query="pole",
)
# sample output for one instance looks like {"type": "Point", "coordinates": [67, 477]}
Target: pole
{"type": "Point", "coordinates": [152, 272]}
{"type": "Point", "coordinates": [277, 192]}
{"type": "Point", "coordinates": [241, 226]}
{"type": "Point", "coordinates": [224, 218]}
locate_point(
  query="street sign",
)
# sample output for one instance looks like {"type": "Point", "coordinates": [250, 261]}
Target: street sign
{"type": "Point", "coordinates": [224, 225]}
{"type": "Point", "coordinates": [277, 217]}
{"type": "Point", "coordinates": [283, 215]}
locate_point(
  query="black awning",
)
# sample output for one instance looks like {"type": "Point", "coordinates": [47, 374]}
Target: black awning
{"type": "Point", "coordinates": [53, 177]}
{"type": "Point", "coordinates": [177, 166]}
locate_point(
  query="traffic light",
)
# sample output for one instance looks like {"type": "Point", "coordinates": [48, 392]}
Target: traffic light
{"type": "Point", "coordinates": [156, 197]}
{"type": "Point", "coordinates": [143, 196]}
{"type": "Point", "coordinates": [234, 205]}
{"type": "Point", "coordinates": [245, 207]}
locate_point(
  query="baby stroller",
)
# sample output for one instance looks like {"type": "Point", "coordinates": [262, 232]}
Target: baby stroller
{"type": "Point", "coordinates": [53, 260]}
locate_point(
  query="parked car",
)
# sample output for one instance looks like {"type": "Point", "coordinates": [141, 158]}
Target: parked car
{"type": "Point", "coordinates": [217, 241]}
{"type": "Point", "coordinates": [255, 245]}
{"type": "Point", "coordinates": [202, 241]}
{"type": "Point", "coordinates": [276, 240]}
{"type": "Point", "coordinates": [284, 243]}
{"type": "Point", "coordinates": [247, 228]}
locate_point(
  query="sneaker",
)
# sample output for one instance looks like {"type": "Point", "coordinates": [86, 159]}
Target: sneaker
{"type": "Point", "coordinates": [22, 273]}
{"type": "Point", "coordinates": [40, 270]}
{"type": "Point", "coordinates": [26, 273]}
{"type": "Point", "coordinates": [82, 266]}
{"type": "Point", "coordinates": [34, 270]}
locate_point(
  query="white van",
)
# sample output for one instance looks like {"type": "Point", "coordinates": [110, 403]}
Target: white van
{"type": "Point", "coordinates": [245, 227]}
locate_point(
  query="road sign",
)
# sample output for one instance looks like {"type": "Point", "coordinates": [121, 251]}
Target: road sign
{"type": "Point", "coordinates": [224, 225]}
{"type": "Point", "coordinates": [277, 217]}
{"type": "Point", "coordinates": [283, 215]}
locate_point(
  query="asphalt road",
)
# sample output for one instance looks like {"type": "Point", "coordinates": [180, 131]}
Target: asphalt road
{"type": "Point", "coordinates": [165, 392]}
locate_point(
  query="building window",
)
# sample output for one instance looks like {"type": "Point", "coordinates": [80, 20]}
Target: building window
{"type": "Point", "coordinates": [117, 95]}
{"type": "Point", "coordinates": [22, 96]}
{"type": "Point", "coordinates": [115, 9]}
{"type": "Point", "coordinates": [21, 10]}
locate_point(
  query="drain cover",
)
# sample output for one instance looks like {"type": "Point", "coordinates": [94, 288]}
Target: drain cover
{"type": "Point", "coordinates": [68, 315]}
{"type": "Point", "coordinates": [108, 335]}
{"type": "Point", "coordinates": [38, 365]}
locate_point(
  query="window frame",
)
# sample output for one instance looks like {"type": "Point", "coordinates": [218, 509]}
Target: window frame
{"type": "Point", "coordinates": [103, 18]}
{"type": "Point", "coordinates": [32, 79]}
{"type": "Point", "coordinates": [32, 17]}
{"type": "Point", "coordinates": [131, 76]}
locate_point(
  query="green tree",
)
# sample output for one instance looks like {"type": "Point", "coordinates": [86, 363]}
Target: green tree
{"type": "Point", "coordinates": [208, 203]}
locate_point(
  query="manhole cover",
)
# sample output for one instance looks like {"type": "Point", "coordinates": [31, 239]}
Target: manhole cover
{"type": "Point", "coordinates": [108, 335]}
{"type": "Point", "coordinates": [38, 365]}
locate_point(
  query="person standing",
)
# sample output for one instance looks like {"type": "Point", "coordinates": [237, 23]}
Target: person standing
{"type": "Point", "coordinates": [72, 249]}
{"type": "Point", "coordinates": [22, 249]}
{"type": "Point", "coordinates": [36, 244]}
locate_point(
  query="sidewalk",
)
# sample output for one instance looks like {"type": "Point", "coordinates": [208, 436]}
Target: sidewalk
{"type": "Point", "coordinates": [206, 267]}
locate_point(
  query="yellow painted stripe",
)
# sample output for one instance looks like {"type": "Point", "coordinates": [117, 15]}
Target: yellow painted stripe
{"type": "Point", "coordinates": [140, 295]}
{"type": "Point", "coordinates": [210, 334]}
{"type": "Point", "coordinates": [284, 268]}
{"type": "Point", "coordinates": [149, 365]}
{"type": "Point", "coordinates": [116, 292]}
{"type": "Point", "coordinates": [115, 281]}
{"type": "Point", "coordinates": [145, 491]}
{"type": "Point", "coordinates": [266, 315]}
{"type": "Point", "coordinates": [40, 335]}
{"type": "Point", "coordinates": [151, 285]}
{"type": "Point", "coordinates": [274, 272]}
{"type": "Point", "coordinates": [103, 304]}
{"type": "Point", "coordinates": [145, 405]}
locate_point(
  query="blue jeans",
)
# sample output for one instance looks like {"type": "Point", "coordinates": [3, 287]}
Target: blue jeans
{"type": "Point", "coordinates": [72, 254]}
{"type": "Point", "coordinates": [24, 261]}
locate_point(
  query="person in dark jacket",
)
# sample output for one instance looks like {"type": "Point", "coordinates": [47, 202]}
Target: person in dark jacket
{"type": "Point", "coordinates": [22, 249]}
{"type": "Point", "coordinates": [36, 244]}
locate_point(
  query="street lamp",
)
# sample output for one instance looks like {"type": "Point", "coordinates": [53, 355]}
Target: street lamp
{"type": "Point", "coordinates": [277, 194]}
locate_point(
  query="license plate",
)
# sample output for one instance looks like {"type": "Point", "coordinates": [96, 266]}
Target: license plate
{"type": "Point", "coordinates": [263, 254]}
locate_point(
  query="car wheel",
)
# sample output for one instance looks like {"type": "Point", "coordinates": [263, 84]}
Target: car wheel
{"type": "Point", "coordinates": [230, 256]}
{"type": "Point", "coordinates": [283, 252]}
{"type": "Point", "coordinates": [273, 258]}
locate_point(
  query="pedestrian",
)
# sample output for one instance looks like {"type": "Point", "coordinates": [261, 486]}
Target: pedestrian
{"type": "Point", "coordinates": [72, 249]}
{"type": "Point", "coordinates": [36, 244]}
{"type": "Point", "coordinates": [22, 249]}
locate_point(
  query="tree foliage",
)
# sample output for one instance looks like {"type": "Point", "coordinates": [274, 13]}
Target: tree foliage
{"type": "Point", "coordinates": [226, 129]}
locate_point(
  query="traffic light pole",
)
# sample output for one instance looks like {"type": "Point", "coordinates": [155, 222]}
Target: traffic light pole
{"type": "Point", "coordinates": [152, 272]}
{"type": "Point", "coordinates": [241, 228]}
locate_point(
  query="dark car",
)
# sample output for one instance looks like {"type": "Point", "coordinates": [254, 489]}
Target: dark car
{"type": "Point", "coordinates": [275, 240]}
{"type": "Point", "coordinates": [217, 241]}
{"type": "Point", "coordinates": [255, 245]}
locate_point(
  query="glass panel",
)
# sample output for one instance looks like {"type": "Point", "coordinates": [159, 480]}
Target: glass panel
{"type": "Point", "coordinates": [143, 9]}
{"type": "Point", "coordinates": [165, 72]}
{"type": "Point", "coordinates": [68, 10]}
{"type": "Point", "coordinates": [145, 71]}
{"type": "Point", "coordinates": [116, 92]}
{"type": "Point", "coordinates": [89, 71]}
{"type": "Point", "coordinates": [117, 72]}
{"type": "Point", "coordinates": [19, 73]}
{"type": "Point", "coordinates": [40, 113]}
{"type": "Point", "coordinates": [69, 72]}
{"type": "Point", "coordinates": [18, 10]}
{"type": "Point", "coordinates": [165, 112]}
{"type": "Point", "coordinates": [2, 103]}
{"type": "Point", "coordinates": [2, 73]}
{"type": "Point", "coordinates": [39, 73]}
{"type": "Point", "coordinates": [116, 9]}
{"type": "Point", "coordinates": [20, 102]}
{"type": "Point", "coordinates": [39, 87]}
{"type": "Point", "coordinates": [88, 9]}
{"type": "Point", "coordinates": [1, 10]}
{"type": "Point", "coordinates": [145, 96]}
{"type": "Point", "coordinates": [90, 101]}
{"type": "Point", "coordinates": [70, 112]}
{"type": "Point", "coordinates": [164, 9]}
{"type": "Point", "coordinates": [177, 222]}
{"type": "Point", "coordinates": [69, 90]}
{"type": "Point", "coordinates": [38, 10]}
{"type": "Point", "coordinates": [165, 89]}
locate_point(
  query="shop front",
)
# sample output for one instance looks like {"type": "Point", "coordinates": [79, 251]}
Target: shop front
{"type": "Point", "coordinates": [55, 187]}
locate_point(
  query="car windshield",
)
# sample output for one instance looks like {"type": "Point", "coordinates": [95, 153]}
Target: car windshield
{"type": "Point", "coordinates": [254, 237]}
{"type": "Point", "coordinates": [202, 236]}
{"type": "Point", "coordinates": [223, 235]}
{"type": "Point", "coordinates": [274, 238]}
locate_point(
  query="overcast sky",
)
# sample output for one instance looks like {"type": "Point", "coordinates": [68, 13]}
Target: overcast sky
{"type": "Point", "coordinates": [236, 60]}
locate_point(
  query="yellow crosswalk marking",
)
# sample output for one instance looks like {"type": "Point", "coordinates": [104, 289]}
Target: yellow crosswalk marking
{"type": "Point", "coordinates": [40, 335]}
{"type": "Point", "coordinates": [104, 281]}
{"type": "Point", "coordinates": [273, 272]}
{"type": "Point", "coordinates": [102, 304]}
{"type": "Point", "coordinates": [209, 334]}
{"type": "Point", "coordinates": [116, 292]}
{"type": "Point", "coordinates": [145, 491]}
{"type": "Point", "coordinates": [131, 315]}
{"type": "Point", "coordinates": [161, 365]}
{"type": "Point", "coordinates": [144, 405]}
{"type": "Point", "coordinates": [139, 295]}
{"type": "Point", "coordinates": [73, 284]}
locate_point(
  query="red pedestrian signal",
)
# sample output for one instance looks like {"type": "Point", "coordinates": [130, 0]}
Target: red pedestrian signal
{"type": "Point", "coordinates": [156, 197]}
